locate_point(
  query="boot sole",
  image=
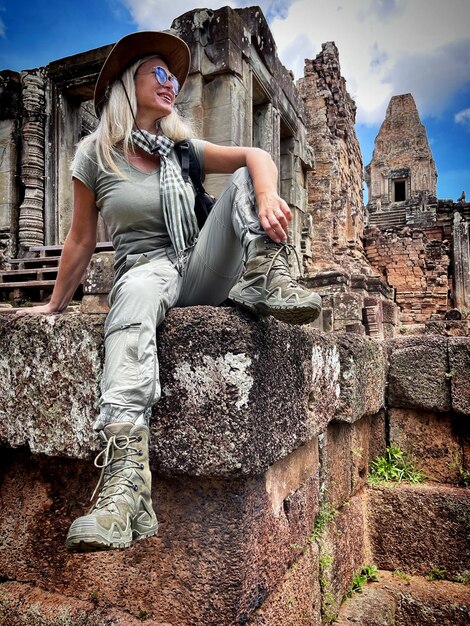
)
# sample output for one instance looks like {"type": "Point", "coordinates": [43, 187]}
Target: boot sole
{"type": "Point", "coordinates": [290, 315]}
{"type": "Point", "coordinates": [86, 536]}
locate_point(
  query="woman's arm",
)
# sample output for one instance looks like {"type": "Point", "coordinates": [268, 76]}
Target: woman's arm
{"type": "Point", "coordinates": [79, 245]}
{"type": "Point", "coordinates": [273, 211]}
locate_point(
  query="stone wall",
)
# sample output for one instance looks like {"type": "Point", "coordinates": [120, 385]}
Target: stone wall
{"type": "Point", "coordinates": [260, 487]}
{"type": "Point", "coordinates": [416, 264]}
{"type": "Point", "coordinates": [333, 238]}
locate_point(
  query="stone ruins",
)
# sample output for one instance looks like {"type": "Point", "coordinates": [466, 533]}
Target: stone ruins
{"type": "Point", "coordinates": [263, 438]}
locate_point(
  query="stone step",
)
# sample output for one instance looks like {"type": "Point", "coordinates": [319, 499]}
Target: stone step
{"type": "Point", "coordinates": [418, 528]}
{"type": "Point", "coordinates": [398, 598]}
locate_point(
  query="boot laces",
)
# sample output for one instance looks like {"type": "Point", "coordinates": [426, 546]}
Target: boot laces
{"type": "Point", "coordinates": [279, 260]}
{"type": "Point", "coordinates": [112, 488]}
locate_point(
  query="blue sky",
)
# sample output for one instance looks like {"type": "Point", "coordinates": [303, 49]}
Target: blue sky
{"type": "Point", "coordinates": [386, 47]}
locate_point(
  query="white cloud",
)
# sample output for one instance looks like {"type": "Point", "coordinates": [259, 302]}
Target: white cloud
{"type": "Point", "coordinates": [386, 47]}
{"type": "Point", "coordinates": [463, 119]}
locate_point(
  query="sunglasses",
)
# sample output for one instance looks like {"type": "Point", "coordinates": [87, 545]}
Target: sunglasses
{"type": "Point", "coordinates": [162, 76]}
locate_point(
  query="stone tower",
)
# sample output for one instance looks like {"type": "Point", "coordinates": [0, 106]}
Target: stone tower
{"type": "Point", "coordinates": [402, 167]}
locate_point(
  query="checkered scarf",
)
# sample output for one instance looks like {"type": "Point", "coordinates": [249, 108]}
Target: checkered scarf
{"type": "Point", "coordinates": [177, 200]}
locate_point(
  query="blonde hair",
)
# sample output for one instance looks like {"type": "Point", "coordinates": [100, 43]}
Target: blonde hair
{"type": "Point", "coordinates": [113, 135]}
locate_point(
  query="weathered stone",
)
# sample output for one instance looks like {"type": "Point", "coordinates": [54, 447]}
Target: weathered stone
{"type": "Point", "coordinates": [49, 385]}
{"type": "Point", "coordinates": [297, 600]}
{"type": "Point", "coordinates": [407, 601]}
{"type": "Point", "coordinates": [431, 439]}
{"type": "Point", "coordinates": [223, 537]}
{"type": "Point", "coordinates": [402, 164]}
{"type": "Point", "coordinates": [459, 373]}
{"type": "Point", "coordinates": [249, 396]}
{"type": "Point", "coordinates": [372, 606]}
{"type": "Point", "coordinates": [342, 552]}
{"type": "Point", "coordinates": [99, 275]}
{"type": "Point", "coordinates": [363, 375]}
{"type": "Point", "coordinates": [419, 373]}
{"type": "Point", "coordinates": [418, 528]}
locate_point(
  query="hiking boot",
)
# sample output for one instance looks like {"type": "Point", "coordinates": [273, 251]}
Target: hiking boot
{"type": "Point", "coordinates": [123, 510]}
{"type": "Point", "coordinates": [267, 287]}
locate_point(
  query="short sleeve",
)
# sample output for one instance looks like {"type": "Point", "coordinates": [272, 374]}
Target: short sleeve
{"type": "Point", "coordinates": [85, 167]}
{"type": "Point", "coordinates": [199, 146]}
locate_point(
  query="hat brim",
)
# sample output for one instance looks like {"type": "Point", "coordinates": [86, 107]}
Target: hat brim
{"type": "Point", "coordinates": [135, 46]}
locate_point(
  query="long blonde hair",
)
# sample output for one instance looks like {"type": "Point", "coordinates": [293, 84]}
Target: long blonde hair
{"type": "Point", "coordinates": [113, 135]}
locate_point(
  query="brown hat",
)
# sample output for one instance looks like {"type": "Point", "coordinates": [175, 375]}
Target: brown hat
{"type": "Point", "coordinates": [132, 47]}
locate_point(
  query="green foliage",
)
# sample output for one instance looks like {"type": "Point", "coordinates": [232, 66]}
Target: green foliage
{"type": "Point", "coordinates": [462, 578]}
{"type": "Point", "coordinates": [437, 574]}
{"type": "Point", "coordinates": [367, 573]}
{"type": "Point", "coordinates": [464, 478]}
{"type": "Point", "coordinates": [399, 574]}
{"type": "Point", "coordinates": [325, 515]}
{"type": "Point", "coordinates": [395, 466]}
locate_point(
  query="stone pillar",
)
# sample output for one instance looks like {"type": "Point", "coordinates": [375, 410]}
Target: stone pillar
{"type": "Point", "coordinates": [9, 97]}
{"type": "Point", "coordinates": [461, 263]}
{"type": "Point", "coordinates": [31, 222]}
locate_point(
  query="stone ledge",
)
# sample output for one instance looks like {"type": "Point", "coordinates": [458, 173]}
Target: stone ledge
{"type": "Point", "coordinates": [415, 528]}
{"type": "Point", "coordinates": [238, 393]}
{"type": "Point", "coordinates": [409, 601]}
{"type": "Point", "coordinates": [429, 373]}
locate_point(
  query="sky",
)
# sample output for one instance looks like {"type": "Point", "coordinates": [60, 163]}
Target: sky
{"type": "Point", "coordinates": [386, 48]}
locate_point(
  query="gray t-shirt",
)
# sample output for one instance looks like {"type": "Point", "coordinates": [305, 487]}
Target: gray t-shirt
{"type": "Point", "coordinates": [130, 206]}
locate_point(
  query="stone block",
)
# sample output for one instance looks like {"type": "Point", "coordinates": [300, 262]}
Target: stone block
{"type": "Point", "coordinates": [220, 553]}
{"type": "Point", "coordinates": [238, 394]}
{"type": "Point", "coordinates": [432, 439]}
{"type": "Point", "coordinates": [459, 373]}
{"type": "Point", "coordinates": [342, 554]}
{"type": "Point", "coordinates": [407, 601]}
{"type": "Point", "coordinates": [362, 378]}
{"type": "Point", "coordinates": [99, 275]}
{"type": "Point", "coordinates": [335, 473]}
{"type": "Point", "coordinates": [94, 303]}
{"type": "Point", "coordinates": [50, 369]}
{"type": "Point", "coordinates": [419, 373]}
{"type": "Point", "coordinates": [374, 605]}
{"type": "Point", "coordinates": [236, 403]}
{"type": "Point", "coordinates": [420, 527]}
{"type": "Point", "coordinates": [297, 599]}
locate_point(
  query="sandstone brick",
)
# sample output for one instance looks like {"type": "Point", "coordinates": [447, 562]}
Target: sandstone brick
{"type": "Point", "coordinates": [221, 550]}
{"type": "Point", "coordinates": [418, 528]}
{"type": "Point", "coordinates": [342, 553]}
{"type": "Point", "coordinates": [419, 373]}
{"type": "Point", "coordinates": [297, 599]}
{"type": "Point", "coordinates": [432, 439]}
{"type": "Point", "coordinates": [459, 372]}
{"type": "Point", "coordinates": [362, 380]}
{"type": "Point", "coordinates": [407, 601]}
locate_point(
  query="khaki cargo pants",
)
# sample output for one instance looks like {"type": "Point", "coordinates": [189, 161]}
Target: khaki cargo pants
{"type": "Point", "coordinates": [141, 297]}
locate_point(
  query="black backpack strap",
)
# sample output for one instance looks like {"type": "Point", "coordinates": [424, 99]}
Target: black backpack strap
{"type": "Point", "coordinates": [190, 164]}
{"type": "Point", "coordinates": [182, 152]}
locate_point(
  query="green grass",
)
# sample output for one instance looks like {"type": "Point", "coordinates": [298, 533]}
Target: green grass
{"type": "Point", "coordinates": [394, 466]}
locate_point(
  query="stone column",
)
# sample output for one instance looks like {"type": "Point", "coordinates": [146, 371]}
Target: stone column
{"type": "Point", "coordinates": [461, 263]}
{"type": "Point", "coordinates": [31, 221]}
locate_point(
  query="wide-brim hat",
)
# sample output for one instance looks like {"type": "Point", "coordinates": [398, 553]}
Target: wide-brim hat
{"type": "Point", "coordinates": [130, 48]}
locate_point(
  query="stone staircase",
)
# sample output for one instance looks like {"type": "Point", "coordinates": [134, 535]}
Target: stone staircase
{"type": "Point", "coordinates": [33, 276]}
{"type": "Point", "coordinates": [393, 217]}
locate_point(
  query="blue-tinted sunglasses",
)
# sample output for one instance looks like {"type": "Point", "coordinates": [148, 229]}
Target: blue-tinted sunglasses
{"type": "Point", "coordinates": [162, 76]}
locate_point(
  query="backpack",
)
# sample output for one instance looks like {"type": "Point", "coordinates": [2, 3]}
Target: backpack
{"type": "Point", "coordinates": [190, 167]}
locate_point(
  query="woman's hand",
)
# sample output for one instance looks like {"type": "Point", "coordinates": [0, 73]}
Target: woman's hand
{"type": "Point", "coordinates": [274, 215]}
{"type": "Point", "coordinates": [42, 309]}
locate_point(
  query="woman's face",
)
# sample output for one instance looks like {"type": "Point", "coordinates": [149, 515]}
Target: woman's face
{"type": "Point", "coordinates": [152, 98]}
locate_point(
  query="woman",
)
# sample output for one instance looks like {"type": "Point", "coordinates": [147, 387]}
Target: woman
{"type": "Point", "coordinates": [127, 169]}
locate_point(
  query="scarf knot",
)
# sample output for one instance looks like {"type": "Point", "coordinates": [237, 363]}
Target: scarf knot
{"type": "Point", "coordinates": [176, 196]}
